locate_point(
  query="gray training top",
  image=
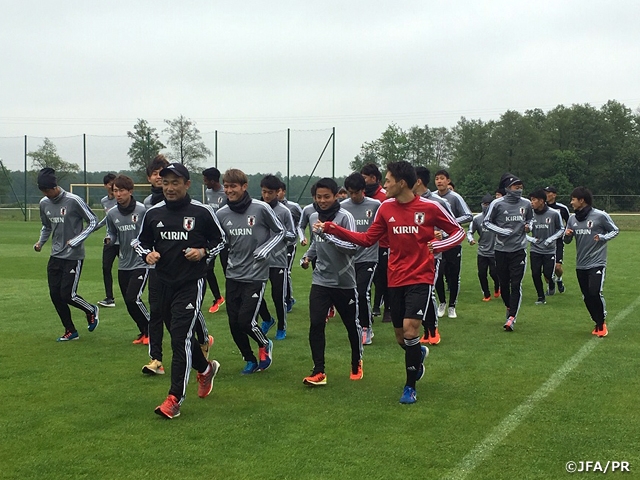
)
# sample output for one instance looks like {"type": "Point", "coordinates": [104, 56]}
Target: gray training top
{"type": "Point", "coordinates": [63, 219]}
{"type": "Point", "coordinates": [278, 257]}
{"type": "Point", "coordinates": [125, 228]}
{"type": "Point", "coordinates": [429, 195]}
{"type": "Point", "coordinates": [546, 229]}
{"type": "Point", "coordinates": [363, 214]}
{"type": "Point", "coordinates": [216, 198]}
{"type": "Point", "coordinates": [296, 213]}
{"type": "Point", "coordinates": [334, 257]}
{"type": "Point", "coordinates": [250, 240]}
{"type": "Point", "coordinates": [589, 253]}
{"type": "Point", "coordinates": [459, 207]}
{"type": "Point", "coordinates": [486, 238]}
{"type": "Point", "coordinates": [507, 217]}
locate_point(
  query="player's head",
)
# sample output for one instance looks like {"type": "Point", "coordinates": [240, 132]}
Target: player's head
{"type": "Point", "coordinates": [452, 186]}
{"type": "Point", "coordinates": [282, 191]}
{"type": "Point", "coordinates": [510, 182]}
{"type": "Point", "coordinates": [400, 177]}
{"type": "Point", "coordinates": [48, 182]}
{"type": "Point", "coordinates": [269, 186]}
{"type": "Point", "coordinates": [123, 189]}
{"type": "Point", "coordinates": [423, 176]}
{"type": "Point", "coordinates": [175, 181]}
{"type": "Point", "coordinates": [355, 186]}
{"type": "Point", "coordinates": [326, 191]}
{"type": "Point", "coordinates": [371, 173]}
{"type": "Point", "coordinates": [342, 193]}
{"type": "Point", "coordinates": [500, 192]}
{"type": "Point", "coordinates": [211, 177]}
{"type": "Point", "coordinates": [442, 179]}
{"type": "Point", "coordinates": [538, 198]}
{"type": "Point", "coordinates": [154, 168]}
{"type": "Point", "coordinates": [581, 197]}
{"type": "Point", "coordinates": [551, 193]}
{"type": "Point", "coordinates": [235, 184]}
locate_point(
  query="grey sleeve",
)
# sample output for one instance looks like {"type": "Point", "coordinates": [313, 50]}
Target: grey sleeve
{"type": "Point", "coordinates": [91, 219]}
{"type": "Point", "coordinates": [45, 231]}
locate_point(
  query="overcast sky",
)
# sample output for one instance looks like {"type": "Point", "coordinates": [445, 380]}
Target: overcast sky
{"type": "Point", "coordinates": [68, 68]}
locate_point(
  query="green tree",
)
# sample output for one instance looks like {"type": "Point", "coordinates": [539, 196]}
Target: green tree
{"type": "Point", "coordinates": [186, 142]}
{"type": "Point", "coordinates": [47, 156]}
{"type": "Point", "coordinates": [146, 145]}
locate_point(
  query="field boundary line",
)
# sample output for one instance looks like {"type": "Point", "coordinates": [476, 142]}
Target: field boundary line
{"type": "Point", "coordinates": [482, 450]}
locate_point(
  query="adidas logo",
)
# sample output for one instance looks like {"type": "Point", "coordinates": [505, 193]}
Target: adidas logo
{"type": "Point", "coordinates": [255, 295]}
{"type": "Point", "coordinates": [140, 277]}
{"type": "Point", "coordinates": [522, 262]}
{"type": "Point", "coordinates": [48, 212]}
{"type": "Point", "coordinates": [189, 307]}
{"type": "Point", "coordinates": [506, 212]}
{"type": "Point", "coordinates": [229, 223]}
{"type": "Point", "coordinates": [351, 302]}
{"type": "Point", "coordinates": [160, 224]}
{"type": "Point", "coordinates": [599, 272]}
{"type": "Point", "coordinates": [281, 272]}
{"type": "Point", "coordinates": [117, 221]}
{"type": "Point", "coordinates": [420, 312]}
{"type": "Point", "coordinates": [369, 269]}
{"type": "Point", "coordinates": [392, 220]}
{"type": "Point", "coordinates": [73, 270]}
{"type": "Point", "coordinates": [411, 368]}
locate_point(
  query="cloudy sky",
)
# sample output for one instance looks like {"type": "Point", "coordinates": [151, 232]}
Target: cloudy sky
{"type": "Point", "coordinates": [68, 68]}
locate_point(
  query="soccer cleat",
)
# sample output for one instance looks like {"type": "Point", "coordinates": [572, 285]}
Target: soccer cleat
{"type": "Point", "coordinates": [486, 299]}
{"type": "Point", "coordinates": [510, 324]}
{"type": "Point", "coordinates": [281, 334]}
{"type": "Point", "coordinates": [451, 313]}
{"type": "Point", "coordinates": [92, 319]}
{"type": "Point", "coordinates": [107, 302]}
{"type": "Point", "coordinates": [68, 336]}
{"type": "Point", "coordinates": [425, 337]}
{"type": "Point", "coordinates": [249, 368]}
{"type": "Point", "coordinates": [367, 335]}
{"type": "Point", "coordinates": [205, 380]}
{"type": "Point", "coordinates": [153, 368]}
{"type": "Point", "coordinates": [541, 301]}
{"type": "Point", "coordinates": [603, 332]}
{"type": "Point", "coordinates": [266, 325]}
{"type": "Point", "coordinates": [145, 340]}
{"type": "Point", "coordinates": [376, 312]}
{"type": "Point", "coordinates": [551, 291]}
{"type": "Point", "coordinates": [408, 395]}
{"type": "Point", "coordinates": [595, 330]}
{"type": "Point", "coordinates": [442, 307]}
{"type": "Point", "coordinates": [332, 312]}
{"type": "Point", "coordinates": [424, 354]}
{"type": "Point", "coordinates": [216, 305]}
{"type": "Point", "coordinates": [170, 408]}
{"type": "Point", "coordinates": [315, 379]}
{"type": "Point", "coordinates": [290, 303]}
{"type": "Point", "coordinates": [266, 356]}
{"type": "Point", "coordinates": [561, 287]}
{"type": "Point", "coordinates": [358, 374]}
{"type": "Point", "coordinates": [206, 346]}
{"type": "Point", "coordinates": [496, 294]}
{"type": "Point", "coordinates": [435, 338]}
{"type": "Point", "coordinates": [139, 339]}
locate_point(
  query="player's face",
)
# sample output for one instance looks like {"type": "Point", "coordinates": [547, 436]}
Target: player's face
{"type": "Point", "coordinates": [442, 183]}
{"type": "Point", "coordinates": [517, 186]}
{"type": "Point", "coordinates": [234, 191]}
{"type": "Point", "coordinates": [109, 188]}
{"type": "Point", "coordinates": [51, 192]}
{"type": "Point", "coordinates": [281, 194]}
{"type": "Point", "coordinates": [210, 183]}
{"type": "Point", "coordinates": [577, 203]}
{"type": "Point", "coordinates": [551, 197]}
{"type": "Point", "coordinates": [174, 187]}
{"type": "Point", "coordinates": [325, 198]}
{"type": "Point", "coordinates": [356, 196]}
{"type": "Point", "coordinates": [123, 196]}
{"type": "Point", "coordinates": [392, 187]}
{"type": "Point", "coordinates": [155, 179]}
{"type": "Point", "coordinates": [269, 195]}
{"type": "Point", "coordinates": [537, 203]}
{"type": "Point", "coordinates": [370, 179]}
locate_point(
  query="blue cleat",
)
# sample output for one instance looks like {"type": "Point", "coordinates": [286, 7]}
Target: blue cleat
{"type": "Point", "coordinates": [68, 336]}
{"type": "Point", "coordinates": [250, 367]}
{"type": "Point", "coordinates": [408, 395]}
{"type": "Point", "coordinates": [265, 356]}
{"type": "Point", "coordinates": [425, 354]}
{"type": "Point", "coordinates": [266, 326]}
{"type": "Point", "coordinates": [290, 304]}
{"type": "Point", "coordinates": [92, 319]}
{"type": "Point", "coordinates": [281, 334]}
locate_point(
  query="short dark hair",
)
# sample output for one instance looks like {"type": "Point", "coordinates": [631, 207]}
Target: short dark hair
{"type": "Point", "coordinates": [442, 172]}
{"type": "Point", "coordinates": [371, 169]}
{"type": "Point", "coordinates": [403, 170]}
{"type": "Point", "coordinates": [539, 194]}
{"type": "Point", "coordinates": [583, 193]}
{"type": "Point", "coordinates": [423, 174]}
{"type": "Point", "coordinates": [283, 186]}
{"type": "Point", "coordinates": [158, 163]}
{"type": "Point", "coordinates": [270, 182]}
{"type": "Point", "coordinates": [326, 182]}
{"type": "Point", "coordinates": [122, 181]}
{"type": "Point", "coordinates": [108, 178]}
{"type": "Point", "coordinates": [355, 182]}
{"type": "Point", "coordinates": [212, 173]}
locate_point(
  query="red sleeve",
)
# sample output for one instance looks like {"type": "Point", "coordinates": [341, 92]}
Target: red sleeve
{"type": "Point", "coordinates": [376, 231]}
{"type": "Point", "coordinates": [445, 222]}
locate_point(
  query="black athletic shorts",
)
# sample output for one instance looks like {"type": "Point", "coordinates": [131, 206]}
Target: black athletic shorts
{"type": "Point", "coordinates": [409, 301]}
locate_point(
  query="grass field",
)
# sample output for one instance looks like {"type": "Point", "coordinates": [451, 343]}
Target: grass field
{"type": "Point", "coordinates": [492, 405]}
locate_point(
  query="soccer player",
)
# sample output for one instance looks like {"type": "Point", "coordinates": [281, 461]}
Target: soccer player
{"type": "Point", "coordinates": [592, 229]}
{"type": "Point", "coordinates": [216, 198]}
{"type": "Point", "coordinates": [546, 229]}
{"type": "Point", "coordinates": [373, 189]}
{"type": "Point", "coordinates": [408, 221]}
{"type": "Point", "coordinates": [451, 259]}
{"type": "Point", "coordinates": [278, 262]}
{"type": "Point", "coordinates": [296, 213]}
{"type": "Point", "coordinates": [342, 194]}
{"type": "Point", "coordinates": [178, 235]}
{"type": "Point", "coordinates": [363, 209]}
{"type": "Point", "coordinates": [333, 282]}
{"type": "Point", "coordinates": [123, 225]}
{"type": "Point", "coordinates": [63, 215]}
{"type": "Point", "coordinates": [552, 193]}
{"type": "Point", "coordinates": [431, 332]}
{"type": "Point", "coordinates": [509, 218]}
{"type": "Point", "coordinates": [110, 250]}
{"type": "Point", "coordinates": [248, 225]}
{"type": "Point", "coordinates": [486, 253]}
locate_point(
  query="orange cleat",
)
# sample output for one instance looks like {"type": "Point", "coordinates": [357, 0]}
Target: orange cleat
{"type": "Point", "coordinates": [434, 339]}
{"type": "Point", "coordinates": [359, 373]}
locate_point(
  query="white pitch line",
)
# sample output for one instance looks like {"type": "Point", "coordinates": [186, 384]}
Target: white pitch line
{"type": "Point", "coordinates": [481, 451]}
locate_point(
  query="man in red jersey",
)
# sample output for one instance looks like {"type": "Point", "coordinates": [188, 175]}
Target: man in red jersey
{"type": "Point", "coordinates": [408, 221]}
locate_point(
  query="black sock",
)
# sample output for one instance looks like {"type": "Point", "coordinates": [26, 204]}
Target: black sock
{"type": "Point", "coordinates": [412, 359]}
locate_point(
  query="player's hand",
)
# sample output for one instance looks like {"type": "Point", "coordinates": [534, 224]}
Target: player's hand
{"type": "Point", "coordinates": [318, 227]}
{"type": "Point", "coordinates": [152, 258]}
{"type": "Point", "coordinates": [430, 245]}
{"type": "Point", "coordinates": [568, 232]}
{"type": "Point", "coordinates": [107, 241]}
{"type": "Point", "coordinates": [597, 238]}
{"type": "Point", "coordinates": [194, 254]}
{"type": "Point", "coordinates": [438, 234]}
{"type": "Point", "coordinates": [527, 228]}
{"type": "Point", "coordinates": [37, 247]}
{"type": "Point", "coordinates": [304, 263]}
{"type": "Point", "coordinates": [304, 242]}
{"type": "Point", "coordinates": [472, 242]}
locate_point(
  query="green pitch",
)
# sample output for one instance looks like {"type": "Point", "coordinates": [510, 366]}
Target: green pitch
{"type": "Point", "coordinates": [492, 404]}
